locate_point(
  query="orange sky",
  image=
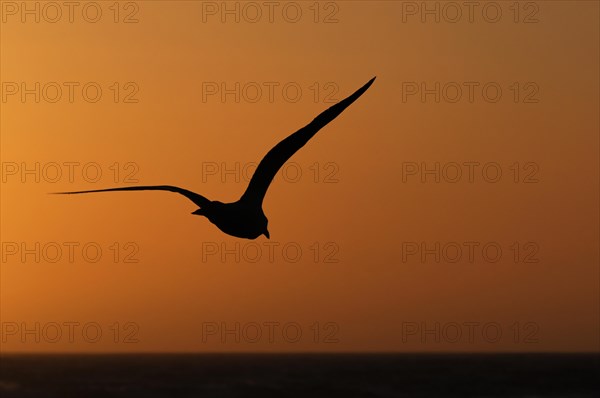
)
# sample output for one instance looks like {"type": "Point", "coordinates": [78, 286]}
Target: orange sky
{"type": "Point", "coordinates": [347, 263]}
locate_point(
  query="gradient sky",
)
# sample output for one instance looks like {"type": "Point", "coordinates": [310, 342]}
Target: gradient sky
{"type": "Point", "coordinates": [361, 209]}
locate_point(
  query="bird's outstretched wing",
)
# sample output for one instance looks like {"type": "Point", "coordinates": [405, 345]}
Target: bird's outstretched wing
{"type": "Point", "coordinates": [272, 162]}
{"type": "Point", "coordinates": [194, 197]}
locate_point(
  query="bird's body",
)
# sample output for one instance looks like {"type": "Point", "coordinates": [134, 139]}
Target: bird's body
{"type": "Point", "coordinates": [245, 218]}
{"type": "Point", "coordinates": [239, 219]}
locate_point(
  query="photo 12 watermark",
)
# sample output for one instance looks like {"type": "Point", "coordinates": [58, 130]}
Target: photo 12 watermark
{"type": "Point", "coordinates": [470, 252]}
{"type": "Point", "coordinates": [470, 172]}
{"type": "Point", "coordinates": [53, 172]}
{"type": "Point", "coordinates": [270, 332]}
{"type": "Point", "coordinates": [272, 252]}
{"type": "Point", "coordinates": [69, 92]}
{"type": "Point", "coordinates": [270, 12]}
{"type": "Point", "coordinates": [269, 92]}
{"type": "Point", "coordinates": [470, 92]}
{"type": "Point", "coordinates": [70, 252]}
{"type": "Point", "coordinates": [325, 172]}
{"type": "Point", "coordinates": [70, 12]}
{"type": "Point", "coordinates": [470, 332]}
{"type": "Point", "coordinates": [471, 12]}
{"type": "Point", "coordinates": [71, 332]}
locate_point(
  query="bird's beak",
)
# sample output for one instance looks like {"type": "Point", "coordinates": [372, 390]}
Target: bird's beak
{"type": "Point", "coordinates": [198, 212]}
{"type": "Point", "coordinates": [267, 234]}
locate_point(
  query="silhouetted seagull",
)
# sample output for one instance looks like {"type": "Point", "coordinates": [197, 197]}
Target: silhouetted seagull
{"type": "Point", "coordinates": [245, 218]}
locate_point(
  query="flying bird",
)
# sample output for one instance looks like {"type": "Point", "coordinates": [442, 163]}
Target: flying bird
{"type": "Point", "coordinates": [245, 218]}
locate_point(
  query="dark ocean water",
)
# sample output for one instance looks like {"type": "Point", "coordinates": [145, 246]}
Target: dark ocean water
{"type": "Point", "coordinates": [300, 375]}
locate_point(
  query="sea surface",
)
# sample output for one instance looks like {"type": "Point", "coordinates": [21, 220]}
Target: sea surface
{"type": "Point", "coordinates": [300, 375]}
